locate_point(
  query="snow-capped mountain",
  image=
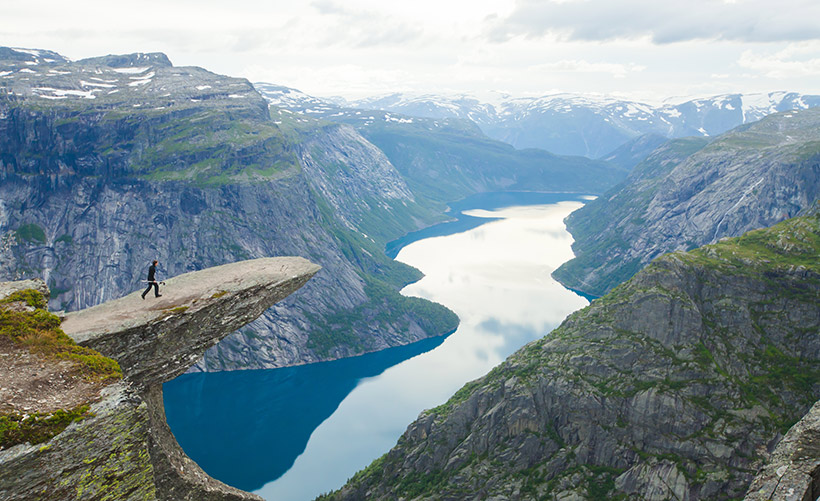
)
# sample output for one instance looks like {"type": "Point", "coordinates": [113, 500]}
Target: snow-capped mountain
{"type": "Point", "coordinates": [593, 125]}
{"type": "Point", "coordinates": [566, 124]}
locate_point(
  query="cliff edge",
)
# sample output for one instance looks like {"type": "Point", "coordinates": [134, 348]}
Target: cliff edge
{"type": "Point", "coordinates": [120, 446]}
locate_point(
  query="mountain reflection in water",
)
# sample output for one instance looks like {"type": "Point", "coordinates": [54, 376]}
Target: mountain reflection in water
{"type": "Point", "coordinates": [297, 432]}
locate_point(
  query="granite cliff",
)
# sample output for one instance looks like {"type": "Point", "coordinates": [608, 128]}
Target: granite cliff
{"type": "Point", "coordinates": [694, 191]}
{"type": "Point", "coordinates": [120, 446]}
{"type": "Point", "coordinates": [676, 385]}
{"type": "Point", "coordinates": [110, 162]}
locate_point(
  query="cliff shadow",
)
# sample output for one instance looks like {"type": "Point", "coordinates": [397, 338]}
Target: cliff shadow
{"type": "Point", "coordinates": [246, 428]}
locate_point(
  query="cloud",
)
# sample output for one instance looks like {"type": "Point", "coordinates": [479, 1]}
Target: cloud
{"type": "Point", "coordinates": [796, 60]}
{"type": "Point", "coordinates": [661, 22]}
{"type": "Point", "coordinates": [363, 28]}
{"type": "Point", "coordinates": [583, 66]}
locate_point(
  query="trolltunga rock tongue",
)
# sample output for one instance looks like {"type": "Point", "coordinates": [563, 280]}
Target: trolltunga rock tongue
{"type": "Point", "coordinates": [157, 339]}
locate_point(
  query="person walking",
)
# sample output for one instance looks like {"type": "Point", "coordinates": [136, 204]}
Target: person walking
{"type": "Point", "coordinates": [152, 280]}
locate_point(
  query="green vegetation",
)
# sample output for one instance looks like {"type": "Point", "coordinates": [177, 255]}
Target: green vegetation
{"type": "Point", "coordinates": [599, 227]}
{"type": "Point", "coordinates": [455, 159]}
{"type": "Point", "coordinates": [39, 427]}
{"type": "Point", "coordinates": [787, 245]}
{"type": "Point", "coordinates": [385, 307]}
{"type": "Point", "coordinates": [31, 233]}
{"type": "Point", "coordinates": [40, 332]}
{"type": "Point", "coordinates": [210, 147]}
{"type": "Point", "coordinates": [65, 238]}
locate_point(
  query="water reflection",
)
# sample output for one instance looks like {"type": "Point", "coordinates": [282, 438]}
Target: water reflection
{"type": "Point", "coordinates": [496, 277]}
{"type": "Point", "coordinates": [247, 427]}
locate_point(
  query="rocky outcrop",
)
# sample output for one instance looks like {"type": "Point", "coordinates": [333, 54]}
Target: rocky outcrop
{"type": "Point", "coordinates": [673, 386]}
{"type": "Point", "coordinates": [125, 449]}
{"type": "Point", "coordinates": [692, 192]}
{"type": "Point", "coordinates": [793, 471]}
{"type": "Point", "coordinates": [155, 339]}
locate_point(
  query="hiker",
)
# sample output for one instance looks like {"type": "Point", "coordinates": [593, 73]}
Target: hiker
{"type": "Point", "coordinates": [152, 281]}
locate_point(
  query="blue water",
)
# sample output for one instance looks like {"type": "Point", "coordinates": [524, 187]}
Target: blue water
{"type": "Point", "coordinates": [486, 201]}
{"type": "Point", "coordinates": [248, 427]}
{"type": "Point", "coordinates": [294, 433]}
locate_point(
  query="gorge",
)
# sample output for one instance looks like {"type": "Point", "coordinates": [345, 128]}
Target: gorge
{"type": "Point", "coordinates": [676, 383]}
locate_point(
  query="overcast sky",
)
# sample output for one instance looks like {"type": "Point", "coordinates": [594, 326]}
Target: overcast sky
{"type": "Point", "coordinates": [647, 50]}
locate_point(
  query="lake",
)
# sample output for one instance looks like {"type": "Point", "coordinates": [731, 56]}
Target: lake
{"type": "Point", "coordinates": [294, 433]}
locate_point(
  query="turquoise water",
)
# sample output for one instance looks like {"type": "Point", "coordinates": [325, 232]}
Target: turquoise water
{"type": "Point", "coordinates": [294, 433]}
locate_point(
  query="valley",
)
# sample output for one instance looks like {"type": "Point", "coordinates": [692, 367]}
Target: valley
{"type": "Point", "coordinates": [437, 224]}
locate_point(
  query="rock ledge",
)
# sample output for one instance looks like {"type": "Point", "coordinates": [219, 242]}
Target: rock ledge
{"type": "Point", "coordinates": [125, 449]}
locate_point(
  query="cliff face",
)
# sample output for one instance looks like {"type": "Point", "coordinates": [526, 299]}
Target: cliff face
{"type": "Point", "coordinates": [124, 449]}
{"type": "Point", "coordinates": [670, 387]}
{"type": "Point", "coordinates": [111, 162]}
{"type": "Point", "coordinates": [692, 192]}
{"type": "Point", "coordinates": [793, 471]}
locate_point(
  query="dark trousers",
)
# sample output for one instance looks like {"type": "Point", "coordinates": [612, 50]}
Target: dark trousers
{"type": "Point", "coordinates": [155, 285]}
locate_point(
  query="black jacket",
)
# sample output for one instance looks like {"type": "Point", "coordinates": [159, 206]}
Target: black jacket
{"type": "Point", "coordinates": [151, 271]}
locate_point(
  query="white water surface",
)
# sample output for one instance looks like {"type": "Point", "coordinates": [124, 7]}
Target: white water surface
{"type": "Point", "coordinates": [496, 277]}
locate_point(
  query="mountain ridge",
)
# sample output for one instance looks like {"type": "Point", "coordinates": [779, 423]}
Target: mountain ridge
{"type": "Point", "coordinates": [564, 123]}
{"type": "Point", "coordinates": [694, 191]}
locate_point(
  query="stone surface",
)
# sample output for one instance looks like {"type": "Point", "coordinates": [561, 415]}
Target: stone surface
{"type": "Point", "coordinates": [102, 457]}
{"type": "Point", "coordinates": [125, 449]}
{"type": "Point", "coordinates": [9, 288]}
{"type": "Point", "coordinates": [158, 338]}
{"type": "Point", "coordinates": [670, 387]}
{"type": "Point", "coordinates": [793, 471]}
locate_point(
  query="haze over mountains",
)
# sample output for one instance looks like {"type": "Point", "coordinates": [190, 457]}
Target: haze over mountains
{"type": "Point", "coordinates": [565, 124]}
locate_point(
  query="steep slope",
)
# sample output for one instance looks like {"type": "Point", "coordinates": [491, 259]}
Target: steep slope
{"type": "Point", "coordinates": [689, 193]}
{"type": "Point", "coordinates": [670, 387]}
{"type": "Point", "coordinates": [446, 162]}
{"type": "Point", "coordinates": [108, 163]}
{"type": "Point", "coordinates": [793, 470]}
{"type": "Point", "coordinates": [635, 151]}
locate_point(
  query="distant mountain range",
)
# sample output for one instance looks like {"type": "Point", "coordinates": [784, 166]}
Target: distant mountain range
{"type": "Point", "coordinates": [564, 124]}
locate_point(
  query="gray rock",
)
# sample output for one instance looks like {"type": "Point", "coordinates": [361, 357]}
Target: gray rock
{"type": "Point", "coordinates": [792, 473]}
{"type": "Point", "coordinates": [114, 161]}
{"type": "Point", "coordinates": [125, 449]}
{"type": "Point", "coordinates": [157, 339]}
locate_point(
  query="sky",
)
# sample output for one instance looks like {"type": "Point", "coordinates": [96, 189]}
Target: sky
{"type": "Point", "coordinates": [646, 50]}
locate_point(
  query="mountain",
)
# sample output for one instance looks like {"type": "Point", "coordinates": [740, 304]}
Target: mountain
{"type": "Point", "coordinates": [108, 163]}
{"type": "Point", "coordinates": [673, 386]}
{"type": "Point", "coordinates": [634, 151]}
{"type": "Point", "coordinates": [694, 191]}
{"type": "Point", "coordinates": [592, 126]}
{"type": "Point", "coordinates": [448, 158]}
